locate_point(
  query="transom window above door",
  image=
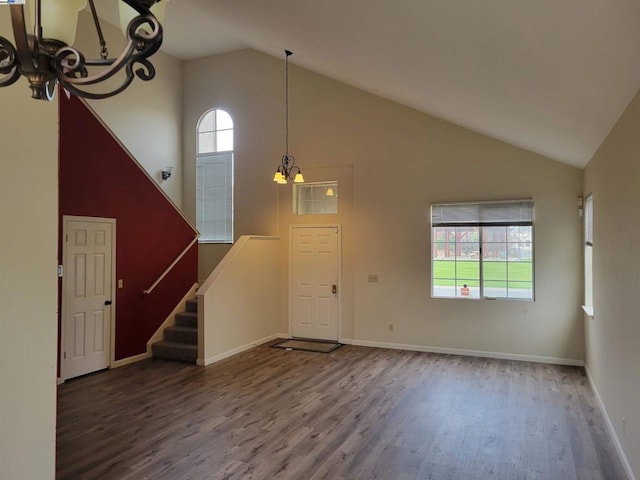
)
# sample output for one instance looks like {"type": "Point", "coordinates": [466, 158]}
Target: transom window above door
{"type": "Point", "coordinates": [315, 198]}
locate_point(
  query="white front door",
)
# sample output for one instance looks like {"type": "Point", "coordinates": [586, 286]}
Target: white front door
{"type": "Point", "coordinates": [314, 264]}
{"type": "Point", "coordinates": [86, 295]}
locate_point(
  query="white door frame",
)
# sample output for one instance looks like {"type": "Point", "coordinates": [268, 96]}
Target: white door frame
{"type": "Point", "coordinates": [338, 228]}
{"type": "Point", "coordinates": [112, 349]}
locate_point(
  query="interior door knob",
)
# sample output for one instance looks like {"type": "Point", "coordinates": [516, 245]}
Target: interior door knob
{"type": "Point", "coordinates": [334, 288]}
{"type": "Point", "coordinates": [107, 302]}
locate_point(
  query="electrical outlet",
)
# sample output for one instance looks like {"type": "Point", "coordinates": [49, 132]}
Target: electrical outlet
{"type": "Point", "coordinates": [373, 278]}
{"type": "Point", "coordinates": [391, 327]}
{"type": "Point", "coordinates": [120, 283]}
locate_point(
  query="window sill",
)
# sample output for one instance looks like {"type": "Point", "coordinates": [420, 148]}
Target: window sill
{"type": "Point", "coordinates": [588, 310]}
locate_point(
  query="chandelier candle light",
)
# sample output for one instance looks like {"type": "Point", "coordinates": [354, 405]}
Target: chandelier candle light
{"type": "Point", "coordinates": [46, 57]}
{"type": "Point", "coordinates": [288, 168]}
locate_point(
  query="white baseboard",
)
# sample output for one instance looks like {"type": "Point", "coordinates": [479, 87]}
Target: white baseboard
{"type": "Point", "coordinates": [203, 362]}
{"type": "Point", "coordinates": [612, 432]}
{"type": "Point", "coordinates": [282, 335]}
{"type": "Point", "coordinates": [471, 353]}
{"type": "Point", "coordinates": [59, 381]}
{"type": "Point", "coordinates": [129, 360]}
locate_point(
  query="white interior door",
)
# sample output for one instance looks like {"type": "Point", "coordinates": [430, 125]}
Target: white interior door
{"type": "Point", "coordinates": [87, 295]}
{"type": "Point", "coordinates": [314, 264]}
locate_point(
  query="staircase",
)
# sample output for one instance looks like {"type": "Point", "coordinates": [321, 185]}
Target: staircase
{"type": "Point", "coordinates": [180, 340]}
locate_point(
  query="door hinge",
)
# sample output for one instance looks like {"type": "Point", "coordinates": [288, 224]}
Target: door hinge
{"type": "Point", "coordinates": [65, 355]}
{"type": "Point", "coordinates": [60, 270]}
{"type": "Point", "coordinates": [66, 238]}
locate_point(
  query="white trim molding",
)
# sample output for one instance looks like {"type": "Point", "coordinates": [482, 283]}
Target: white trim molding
{"type": "Point", "coordinates": [129, 360]}
{"type": "Point", "coordinates": [471, 353]}
{"type": "Point", "coordinates": [612, 431]}
{"type": "Point", "coordinates": [234, 351]}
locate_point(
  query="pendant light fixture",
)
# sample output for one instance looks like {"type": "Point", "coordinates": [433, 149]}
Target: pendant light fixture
{"type": "Point", "coordinates": [46, 57]}
{"type": "Point", "coordinates": [287, 170]}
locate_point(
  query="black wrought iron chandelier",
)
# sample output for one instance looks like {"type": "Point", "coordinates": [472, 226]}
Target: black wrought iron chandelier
{"type": "Point", "coordinates": [46, 57]}
{"type": "Point", "coordinates": [287, 170]}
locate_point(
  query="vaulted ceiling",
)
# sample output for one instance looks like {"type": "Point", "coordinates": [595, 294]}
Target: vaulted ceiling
{"type": "Point", "coordinates": [546, 75]}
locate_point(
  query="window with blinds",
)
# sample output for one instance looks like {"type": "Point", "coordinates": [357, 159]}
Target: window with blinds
{"type": "Point", "coordinates": [214, 177]}
{"type": "Point", "coordinates": [588, 254]}
{"type": "Point", "coordinates": [588, 220]}
{"type": "Point", "coordinates": [483, 250]}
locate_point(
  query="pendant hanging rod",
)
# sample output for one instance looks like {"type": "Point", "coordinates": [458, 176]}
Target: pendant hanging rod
{"type": "Point", "coordinates": [104, 53]}
{"type": "Point", "coordinates": [286, 100]}
{"type": "Point", "coordinates": [287, 168]}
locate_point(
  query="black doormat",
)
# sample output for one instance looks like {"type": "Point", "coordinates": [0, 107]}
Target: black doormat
{"type": "Point", "coordinates": [322, 346]}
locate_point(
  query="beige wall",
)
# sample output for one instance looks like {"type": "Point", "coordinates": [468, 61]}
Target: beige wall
{"type": "Point", "coordinates": [147, 116]}
{"type": "Point", "coordinates": [28, 285]}
{"type": "Point", "coordinates": [401, 161]}
{"type": "Point", "coordinates": [244, 84]}
{"type": "Point", "coordinates": [237, 311]}
{"type": "Point", "coordinates": [613, 334]}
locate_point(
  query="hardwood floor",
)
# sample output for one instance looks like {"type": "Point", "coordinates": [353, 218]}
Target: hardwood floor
{"type": "Point", "coordinates": [356, 413]}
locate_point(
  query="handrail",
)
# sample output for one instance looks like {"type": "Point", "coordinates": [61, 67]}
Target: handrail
{"type": "Point", "coordinates": [173, 264]}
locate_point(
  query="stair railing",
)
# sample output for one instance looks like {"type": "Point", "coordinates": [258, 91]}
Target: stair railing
{"type": "Point", "coordinates": [173, 264]}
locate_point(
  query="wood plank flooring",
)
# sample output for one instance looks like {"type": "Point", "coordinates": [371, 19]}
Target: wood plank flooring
{"type": "Point", "coordinates": [356, 413]}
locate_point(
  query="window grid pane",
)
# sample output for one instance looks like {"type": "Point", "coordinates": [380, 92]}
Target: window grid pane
{"type": "Point", "coordinates": [316, 198]}
{"type": "Point", "coordinates": [215, 132]}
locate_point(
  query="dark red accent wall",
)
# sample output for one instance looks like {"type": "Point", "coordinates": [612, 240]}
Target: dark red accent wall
{"type": "Point", "coordinates": [98, 179]}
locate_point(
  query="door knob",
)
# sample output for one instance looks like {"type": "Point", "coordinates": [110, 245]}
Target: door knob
{"type": "Point", "coordinates": [334, 288]}
{"type": "Point", "coordinates": [107, 302]}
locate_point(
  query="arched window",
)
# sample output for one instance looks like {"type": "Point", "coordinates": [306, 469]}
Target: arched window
{"type": "Point", "coordinates": [214, 177]}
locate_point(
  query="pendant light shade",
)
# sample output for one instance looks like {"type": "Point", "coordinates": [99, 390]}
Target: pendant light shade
{"type": "Point", "coordinates": [59, 19]}
{"type": "Point", "coordinates": [127, 13]}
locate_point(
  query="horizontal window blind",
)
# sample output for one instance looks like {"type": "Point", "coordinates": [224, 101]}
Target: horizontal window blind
{"type": "Point", "coordinates": [214, 197]}
{"type": "Point", "coordinates": [509, 212]}
{"type": "Point", "coordinates": [588, 220]}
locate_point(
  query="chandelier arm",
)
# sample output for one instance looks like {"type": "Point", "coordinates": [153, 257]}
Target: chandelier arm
{"type": "Point", "coordinates": [25, 49]}
{"type": "Point", "coordinates": [96, 96]}
{"type": "Point", "coordinates": [130, 75]}
{"type": "Point", "coordinates": [8, 63]}
{"type": "Point", "coordinates": [70, 65]}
